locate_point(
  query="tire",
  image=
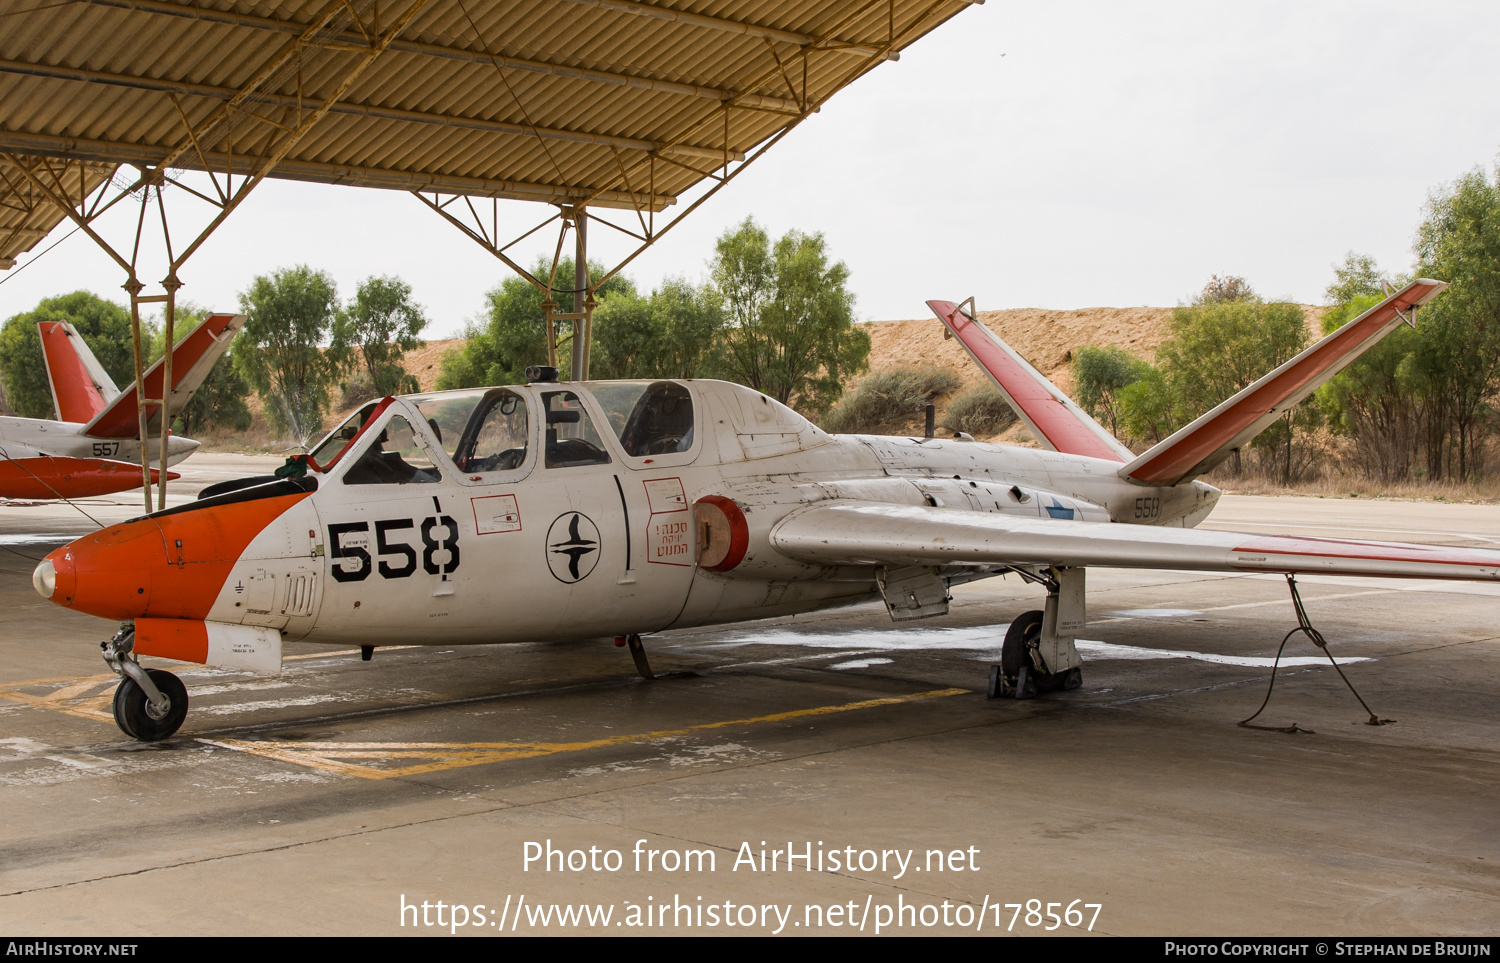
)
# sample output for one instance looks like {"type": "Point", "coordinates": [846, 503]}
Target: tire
{"type": "Point", "coordinates": [134, 715]}
{"type": "Point", "coordinates": [121, 719]}
{"type": "Point", "coordinates": [1027, 627]}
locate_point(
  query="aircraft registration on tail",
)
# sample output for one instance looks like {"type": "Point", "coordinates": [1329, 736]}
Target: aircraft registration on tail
{"type": "Point", "coordinates": [557, 510]}
{"type": "Point", "coordinates": [94, 447]}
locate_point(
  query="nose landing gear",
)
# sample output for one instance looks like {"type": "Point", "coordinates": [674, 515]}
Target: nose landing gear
{"type": "Point", "coordinates": [150, 704]}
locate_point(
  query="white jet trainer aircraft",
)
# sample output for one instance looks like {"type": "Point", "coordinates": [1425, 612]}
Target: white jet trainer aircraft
{"type": "Point", "coordinates": [94, 447]}
{"type": "Point", "coordinates": [577, 510]}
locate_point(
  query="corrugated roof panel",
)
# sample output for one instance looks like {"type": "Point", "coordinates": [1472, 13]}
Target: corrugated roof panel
{"type": "Point", "coordinates": [574, 67]}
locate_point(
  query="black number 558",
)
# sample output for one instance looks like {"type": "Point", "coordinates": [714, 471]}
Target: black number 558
{"type": "Point", "coordinates": [389, 545]}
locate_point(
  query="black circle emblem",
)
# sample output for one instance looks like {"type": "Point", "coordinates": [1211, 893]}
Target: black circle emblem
{"type": "Point", "coordinates": [572, 547]}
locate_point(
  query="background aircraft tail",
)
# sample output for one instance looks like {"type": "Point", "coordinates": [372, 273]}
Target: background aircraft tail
{"type": "Point", "coordinates": [1210, 438]}
{"type": "Point", "coordinates": [80, 387]}
{"type": "Point", "coordinates": [1051, 415]}
{"type": "Point", "coordinates": [192, 360]}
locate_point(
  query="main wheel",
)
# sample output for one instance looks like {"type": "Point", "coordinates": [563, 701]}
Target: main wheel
{"type": "Point", "coordinates": [138, 719]}
{"type": "Point", "coordinates": [1020, 638]}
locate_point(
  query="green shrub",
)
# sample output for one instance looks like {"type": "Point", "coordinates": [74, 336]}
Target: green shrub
{"type": "Point", "coordinates": [980, 411]}
{"type": "Point", "coordinates": [893, 396]}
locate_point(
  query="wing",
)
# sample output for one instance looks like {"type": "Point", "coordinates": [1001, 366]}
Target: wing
{"type": "Point", "coordinates": [1051, 415]}
{"type": "Point", "coordinates": [864, 533]}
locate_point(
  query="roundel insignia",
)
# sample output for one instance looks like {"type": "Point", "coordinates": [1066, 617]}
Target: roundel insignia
{"type": "Point", "coordinates": [572, 547]}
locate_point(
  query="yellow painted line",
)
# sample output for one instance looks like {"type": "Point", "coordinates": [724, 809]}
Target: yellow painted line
{"type": "Point", "coordinates": [67, 678]}
{"type": "Point", "coordinates": [70, 698]}
{"type": "Point", "coordinates": [66, 700]}
{"type": "Point", "coordinates": [333, 756]}
{"type": "Point", "coordinates": [79, 688]}
{"type": "Point", "coordinates": [82, 711]}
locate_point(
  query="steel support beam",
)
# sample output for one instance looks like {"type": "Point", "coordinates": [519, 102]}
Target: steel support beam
{"type": "Point", "coordinates": [361, 110]}
{"type": "Point", "coordinates": [583, 298]}
{"type": "Point", "coordinates": [190, 152]}
{"type": "Point", "coordinates": [51, 145]}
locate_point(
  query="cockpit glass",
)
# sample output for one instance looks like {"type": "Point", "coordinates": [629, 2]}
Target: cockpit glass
{"type": "Point", "coordinates": [327, 451]}
{"type": "Point", "coordinates": [649, 417]}
{"type": "Point", "coordinates": [497, 436]}
{"type": "Point", "coordinates": [571, 438]}
{"type": "Point", "coordinates": [395, 456]}
{"type": "Point", "coordinates": [448, 414]}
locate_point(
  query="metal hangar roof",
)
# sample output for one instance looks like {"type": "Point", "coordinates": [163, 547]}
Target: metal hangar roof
{"type": "Point", "coordinates": [597, 103]}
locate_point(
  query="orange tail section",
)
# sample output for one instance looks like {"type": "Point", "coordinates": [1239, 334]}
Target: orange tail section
{"type": "Point", "coordinates": [80, 387]}
{"type": "Point", "coordinates": [192, 360]}
{"type": "Point", "coordinates": [1208, 440]}
{"type": "Point", "coordinates": [1051, 415]}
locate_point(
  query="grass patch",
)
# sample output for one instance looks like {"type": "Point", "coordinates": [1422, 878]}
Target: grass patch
{"type": "Point", "coordinates": [895, 395]}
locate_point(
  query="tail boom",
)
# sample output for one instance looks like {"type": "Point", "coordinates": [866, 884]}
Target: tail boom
{"type": "Point", "coordinates": [192, 360]}
{"type": "Point", "coordinates": [1211, 437]}
{"type": "Point", "coordinates": [1051, 415]}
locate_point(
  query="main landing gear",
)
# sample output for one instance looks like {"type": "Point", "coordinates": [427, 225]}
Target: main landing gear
{"type": "Point", "coordinates": [1038, 654]}
{"type": "Point", "coordinates": [1022, 672]}
{"type": "Point", "coordinates": [150, 704]}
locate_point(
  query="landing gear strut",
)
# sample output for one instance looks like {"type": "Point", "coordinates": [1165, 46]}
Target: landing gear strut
{"type": "Point", "coordinates": [150, 704]}
{"type": "Point", "coordinates": [1038, 654]}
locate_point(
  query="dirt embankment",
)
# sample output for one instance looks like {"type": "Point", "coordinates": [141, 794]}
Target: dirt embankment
{"type": "Point", "coordinates": [1045, 338]}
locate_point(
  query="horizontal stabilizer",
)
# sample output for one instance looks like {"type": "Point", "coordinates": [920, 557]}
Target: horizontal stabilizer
{"type": "Point", "coordinates": [192, 360]}
{"type": "Point", "coordinates": [1209, 439]}
{"type": "Point", "coordinates": [864, 533]}
{"type": "Point", "coordinates": [1051, 415]}
{"type": "Point", "coordinates": [80, 386]}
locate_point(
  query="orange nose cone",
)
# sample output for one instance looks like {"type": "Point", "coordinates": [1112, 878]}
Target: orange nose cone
{"type": "Point", "coordinates": [172, 565]}
{"type": "Point", "coordinates": [108, 573]}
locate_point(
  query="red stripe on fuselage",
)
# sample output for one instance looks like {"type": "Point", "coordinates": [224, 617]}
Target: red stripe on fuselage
{"type": "Point", "coordinates": [180, 639]}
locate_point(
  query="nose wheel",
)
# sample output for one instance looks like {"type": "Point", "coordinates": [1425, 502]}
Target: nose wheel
{"type": "Point", "coordinates": [149, 704]}
{"type": "Point", "coordinates": [139, 718]}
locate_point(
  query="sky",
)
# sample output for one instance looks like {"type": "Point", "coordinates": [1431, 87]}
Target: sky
{"type": "Point", "coordinates": [1059, 155]}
